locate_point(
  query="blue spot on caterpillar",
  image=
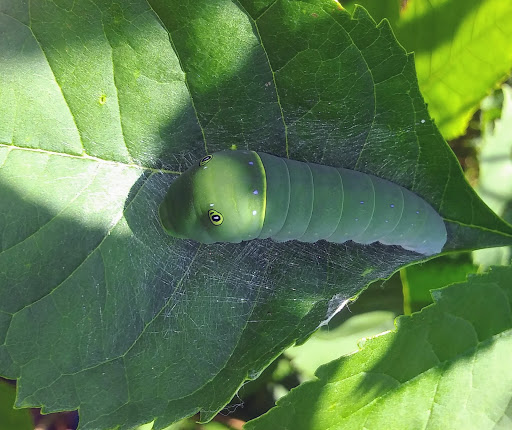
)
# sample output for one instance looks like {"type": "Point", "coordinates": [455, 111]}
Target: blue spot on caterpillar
{"type": "Point", "coordinates": [259, 196]}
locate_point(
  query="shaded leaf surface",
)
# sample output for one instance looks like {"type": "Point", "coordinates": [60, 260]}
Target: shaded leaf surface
{"type": "Point", "coordinates": [447, 366]}
{"type": "Point", "coordinates": [99, 309]}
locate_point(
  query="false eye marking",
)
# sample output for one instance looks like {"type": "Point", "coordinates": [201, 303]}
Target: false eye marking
{"type": "Point", "coordinates": [205, 160]}
{"type": "Point", "coordinates": [216, 217]}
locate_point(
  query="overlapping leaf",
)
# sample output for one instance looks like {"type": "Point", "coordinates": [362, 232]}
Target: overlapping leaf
{"type": "Point", "coordinates": [444, 367]}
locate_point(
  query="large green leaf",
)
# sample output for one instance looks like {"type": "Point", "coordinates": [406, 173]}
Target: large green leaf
{"type": "Point", "coordinates": [100, 104]}
{"type": "Point", "coordinates": [446, 367]}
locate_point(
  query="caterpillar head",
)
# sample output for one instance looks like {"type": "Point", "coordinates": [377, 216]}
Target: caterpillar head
{"type": "Point", "coordinates": [221, 198]}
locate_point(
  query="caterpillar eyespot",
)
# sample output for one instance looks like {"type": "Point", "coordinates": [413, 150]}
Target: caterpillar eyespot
{"type": "Point", "coordinates": [215, 217]}
{"type": "Point", "coordinates": [205, 160]}
{"type": "Point", "coordinates": [264, 196]}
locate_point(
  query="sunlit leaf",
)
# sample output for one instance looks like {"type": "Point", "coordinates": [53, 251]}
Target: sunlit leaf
{"type": "Point", "coordinates": [445, 367]}
{"type": "Point", "coordinates": [462, 48]}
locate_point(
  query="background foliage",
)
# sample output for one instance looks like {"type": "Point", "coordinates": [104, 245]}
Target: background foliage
{"type": "Point", "coordinates": [99, 310]}
{"type": "Point", "coordinates": [461, 50]}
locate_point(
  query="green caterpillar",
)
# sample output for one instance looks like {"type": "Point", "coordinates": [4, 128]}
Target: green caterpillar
{"type": "Point", "coordinates": [232, 196]}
